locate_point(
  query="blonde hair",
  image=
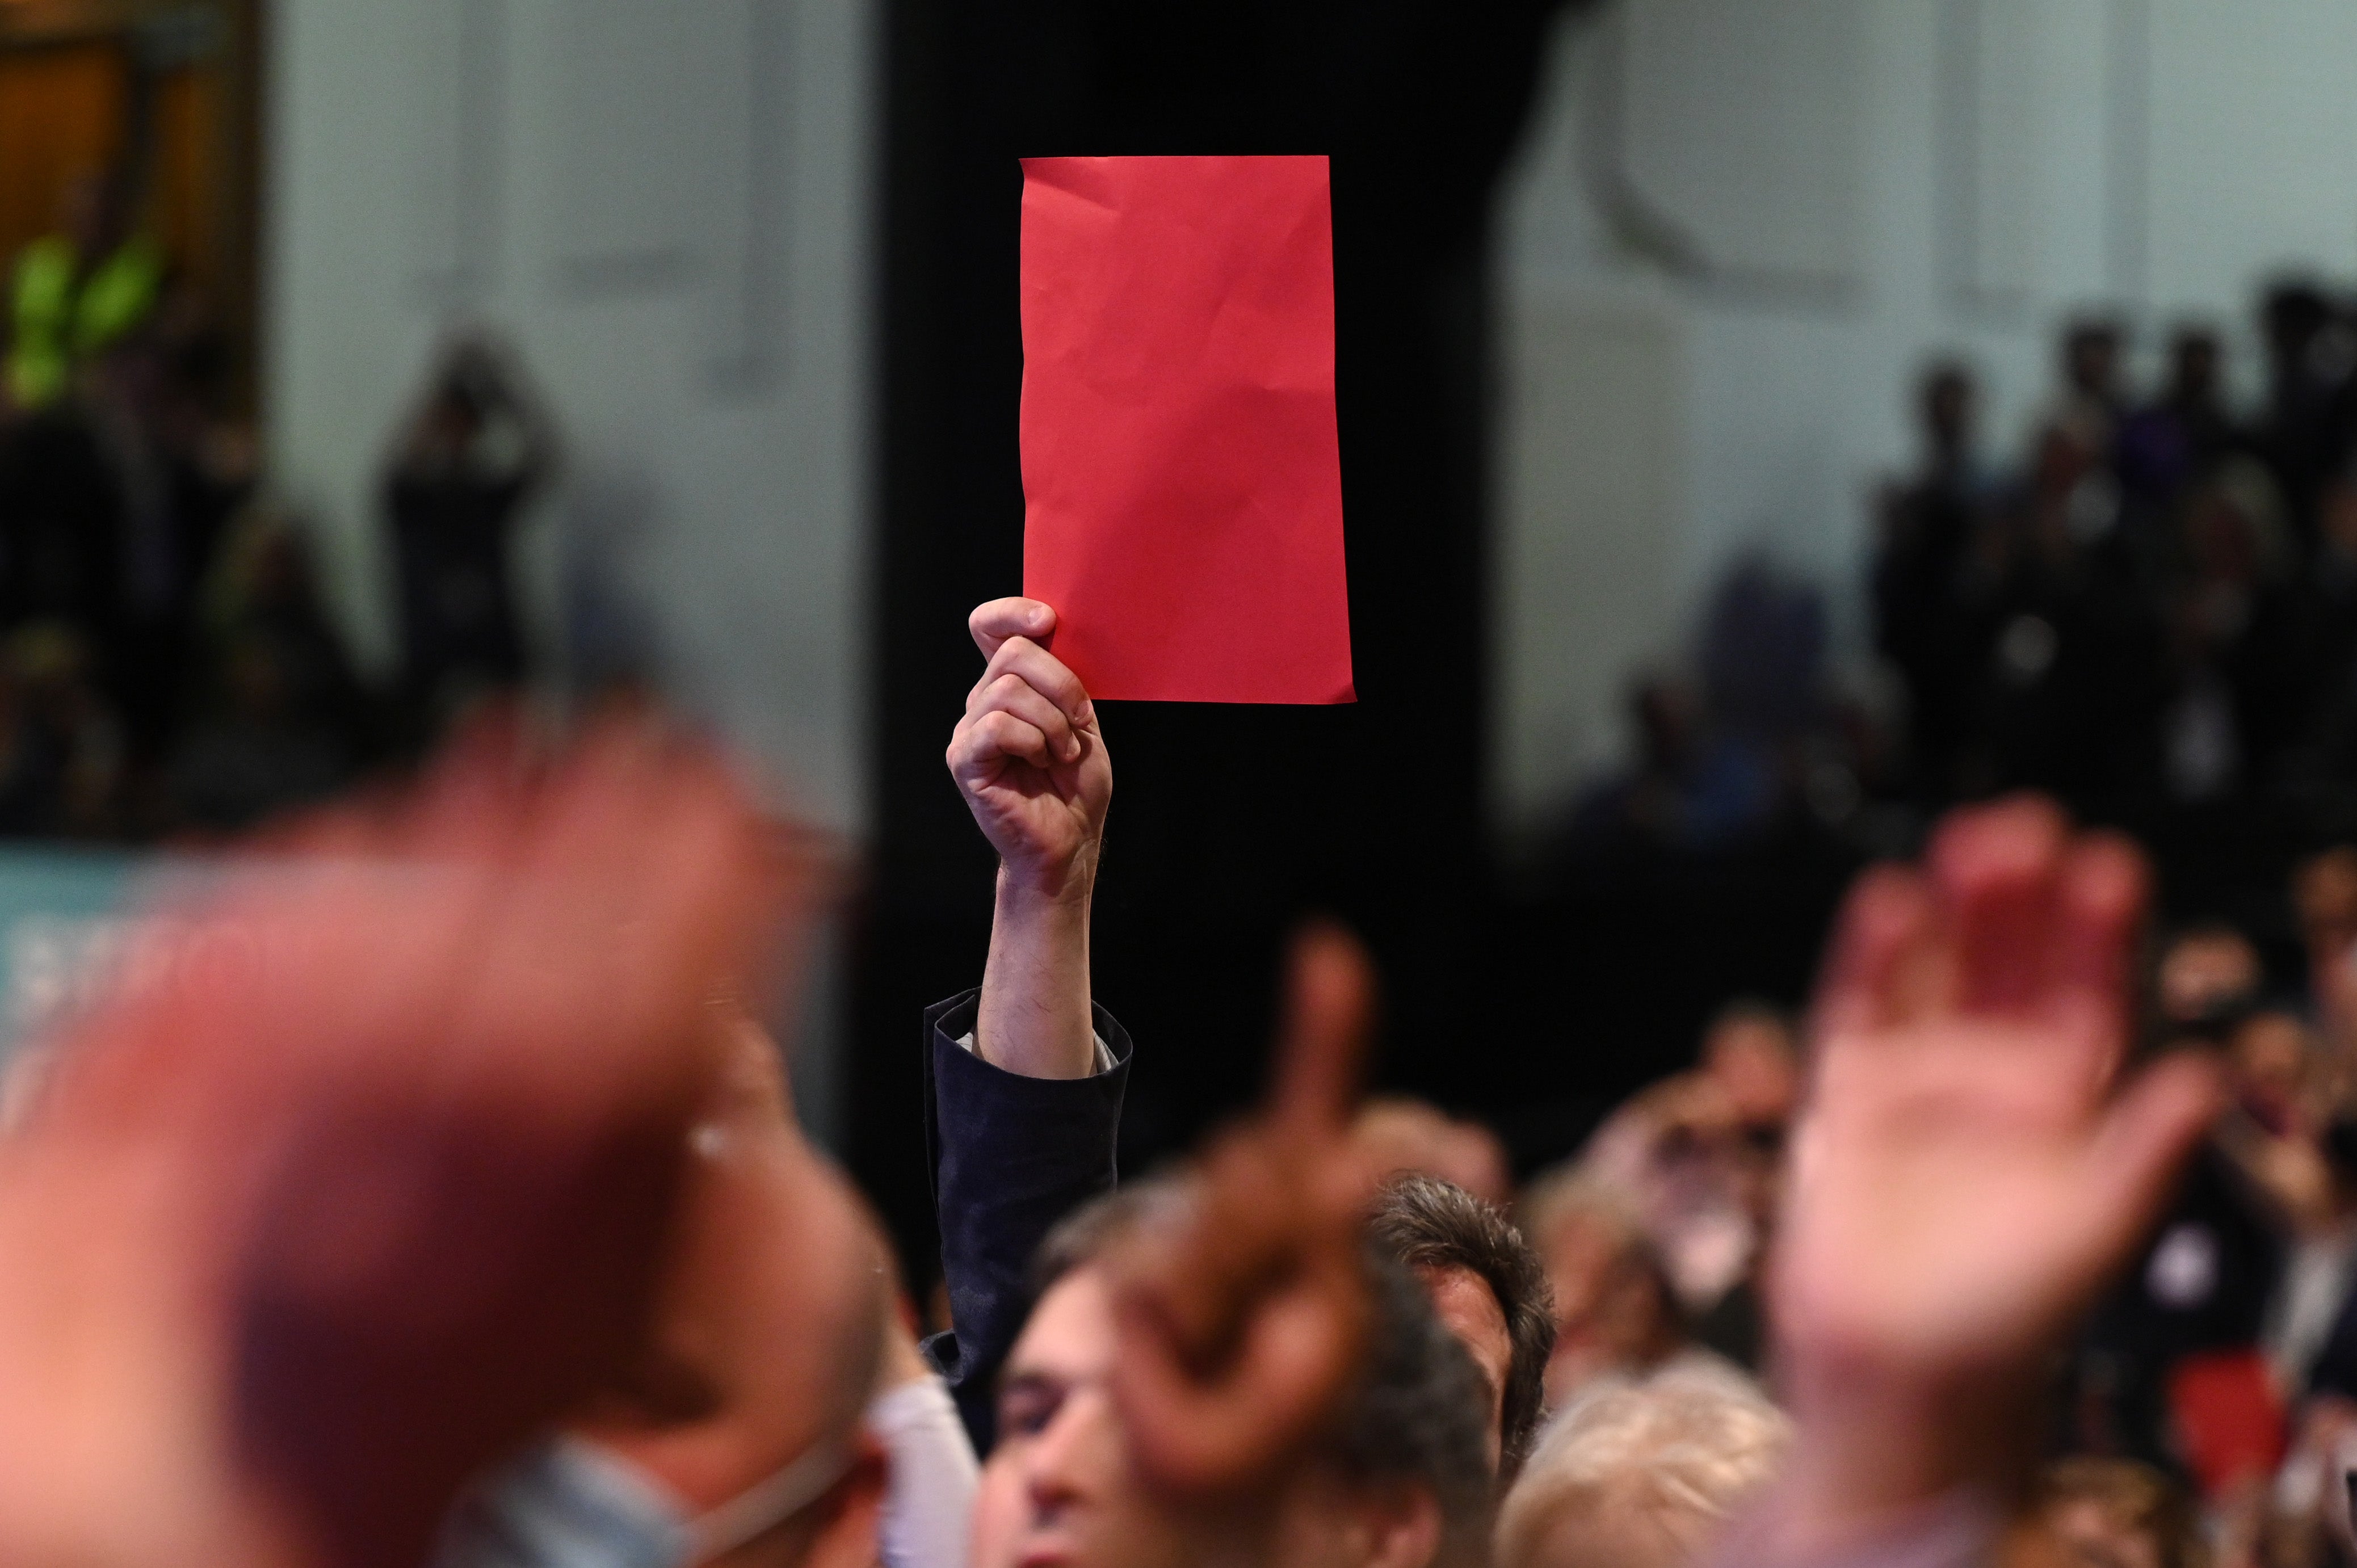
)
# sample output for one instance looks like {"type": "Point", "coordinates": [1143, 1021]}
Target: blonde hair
{"type": "Point", "coordinates": [1670, 1457]}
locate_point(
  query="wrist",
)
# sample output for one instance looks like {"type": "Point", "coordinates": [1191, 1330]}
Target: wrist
{"type": "Point", "coordinates": [1874, 1444]}
{"type": "Point", "coordinates": [1026, 887]}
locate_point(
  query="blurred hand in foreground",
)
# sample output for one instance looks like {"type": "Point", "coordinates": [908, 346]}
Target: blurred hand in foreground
{"type": "Point", "coordinates": [1241, 1310]}
{"type": "Point", "coordinates": [1966, 1175]}
{"type": "Point", "coordinates": [372, 1181]}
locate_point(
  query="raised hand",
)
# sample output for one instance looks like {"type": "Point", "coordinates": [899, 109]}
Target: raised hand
{"type": "Point", "coordinates": [1028, 755]}
{"type": "Point", "coordinates": [1242, 1308]}
{"type": "Point", "coordinates": [369, 1181]}
{"type": "Point", "coordinates": [1965, 1174]}
{"type": "Point", "coordinates": [1029, 759]}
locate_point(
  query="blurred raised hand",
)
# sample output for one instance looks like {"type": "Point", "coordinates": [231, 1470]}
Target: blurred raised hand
{"type": "Point", "coordinates": [1967, 1169]}
{"type": "Point", "coordinates": [372, 1179]}
{"type": "Point", "coordinates": [1242, 1308]}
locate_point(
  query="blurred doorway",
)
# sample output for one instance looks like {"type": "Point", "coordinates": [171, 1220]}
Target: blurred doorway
{"type": "Point", "coordinates": [157, 98]}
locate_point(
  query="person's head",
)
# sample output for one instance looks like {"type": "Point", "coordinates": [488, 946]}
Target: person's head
{"type": "Point", "coordinates": [2207, 972]}
{"type": "Point", "coordinates": [2108, 1513]}
{"type": "Point", "coordinates": [1488, 1288]}
{"type": "Point", "coordinates": [1946, 402]}
{"type": "Point", "coordinates": [2296, 315]}
{"type": "Point", "coordinates": [2091, 359]}
{"type": "Point", "coordinates": [739, 1440]}
{"type": "Point", "coordinates": [1662, 714]}
{"type": "Point", "coordinates": [2233, 526]}
{"type": "Point", "coordinates": [1641, 1477]}
{"type": "Point", "coordinates": [1401, 1480]}
{"type": "Point", "coordinates": [2324, 891]}
{"type": "Point", "coordinates": [1749, 1052]}
{"type": "Point", "coordinates": [2270, 1055]}
{"type": "Point", "coordinates": [1614, 1309]}
{"type": "Point", "coordinates": [2195, 360]}
{"type": "Point", "coordinates": [1403, 1134]}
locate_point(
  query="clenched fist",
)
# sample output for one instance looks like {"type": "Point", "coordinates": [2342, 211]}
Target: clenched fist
{"type": "Point", "coordinates": [1028, 755]}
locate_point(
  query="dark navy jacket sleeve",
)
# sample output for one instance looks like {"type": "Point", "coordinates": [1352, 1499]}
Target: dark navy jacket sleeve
{"type": "Point", "coordinates": [1011, 1156]}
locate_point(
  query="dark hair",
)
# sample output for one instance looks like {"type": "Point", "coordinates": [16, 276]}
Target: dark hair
{"type": "Point", "coordinates": [1419, 1410]}
{"type": "Point", "coordinates": [1427, 1223]}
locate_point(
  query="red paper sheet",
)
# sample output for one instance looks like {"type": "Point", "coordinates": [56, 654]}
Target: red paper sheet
{"type": "Point", "coordinates": [1181, 470]}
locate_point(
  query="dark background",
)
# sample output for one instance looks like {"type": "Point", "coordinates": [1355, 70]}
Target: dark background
{"type": "Point", "coordinates": [1228, 822]}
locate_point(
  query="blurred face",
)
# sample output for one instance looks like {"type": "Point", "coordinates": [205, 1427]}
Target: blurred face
{"type": "Point", "coordinates": [1408, 1136]}
{"type": "Point", "coordinates": [1948, 412]}
{"type": "Point", "coordinates": [2092, 1537]}
{"type": "Point", "coordinates": [2201, 972]}
{"type": "Point", "coordinates": [1752, 1060]}
{"type": "Point", "coordinates": [1058, 1491]}
{"type": "Point", "coordinates": [1608, 1307]}
{"type": "Point", "coordinates": [2196, 369]}
{"type": "Point", "coordinates": [2091, 359]}
{"type": "Point", "coordinates": [771, 1288]}
{"type": "Point", "coordinates": [1468, 1308]}
{"type": "Point", "coordinates": [2270, 1062]}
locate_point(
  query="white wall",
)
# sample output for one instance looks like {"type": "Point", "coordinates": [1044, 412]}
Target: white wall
{"type": "Point", "coordinates": [1805, 200]}
{"type": "Point", "coordinates": [665, 205]}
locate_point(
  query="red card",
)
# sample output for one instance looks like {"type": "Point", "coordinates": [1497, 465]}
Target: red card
{"type": "Point", "coordinates": [1181, 473]}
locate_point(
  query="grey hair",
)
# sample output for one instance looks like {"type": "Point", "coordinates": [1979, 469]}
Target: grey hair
{"type": "Point", "coordinates": [1673, 1455]}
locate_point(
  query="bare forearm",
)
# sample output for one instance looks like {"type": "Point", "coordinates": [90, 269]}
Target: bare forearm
{"type": "Point", "coordinates": [1035, 1018]}
{"type": "Point", "coordinates": [1874, 1451]}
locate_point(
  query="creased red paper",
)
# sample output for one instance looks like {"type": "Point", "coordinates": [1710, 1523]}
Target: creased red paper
{"type": "Point", "coordinates": [1181, 469]}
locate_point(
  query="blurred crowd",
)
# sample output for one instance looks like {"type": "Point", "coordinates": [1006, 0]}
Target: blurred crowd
{"type": "Point", "coordinates": [168, 660]}
{"type": "Point", "coordinates": [2149, 611]}
{"type": "Point", "coordinates": [2156, 603]}
{"type": "Point", "coordinates": [461, 1214]}
{"type": "Point", "coordinates": [445, 1202]}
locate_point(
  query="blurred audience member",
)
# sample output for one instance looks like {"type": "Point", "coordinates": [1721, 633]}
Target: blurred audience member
{"type": "Point", "coordinates": [1643, 1476]}
{"type": "Point", "coordinates": [1747, 747]}
{"type": "Point", "coordinates": [2107, 1513]}
{"type": "Point", "coordinates": [280, 718]}
{"type": "Point", "coordinates": [2185, 431]}
{"type": "Point", "coordinates": [1698, 1156]}
{"type": "Point", "coordinates": [1490, 1289]}
{"type": "Point", "coordinates": [1617, 1315]}
{"type": "Point", "coordinates": [2302, 434]}
{"type": "Point", "coordinates": [61, 745]}
{"type": "Point", "coordinates": [2175, 1343]}
{"type": "Point", "coordinates": [1403, 1134]}
{"type": "Point", "coordinates": [742, 1433]}
{"type": "Point", "coordinates": [467, 463]}
{"type": "Point", "coordinates": [2207, 976]}
{"type": "Point", "coordinates": [1928, 619]}
{"type": "Point", "coordinates": [1398, 1478]}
